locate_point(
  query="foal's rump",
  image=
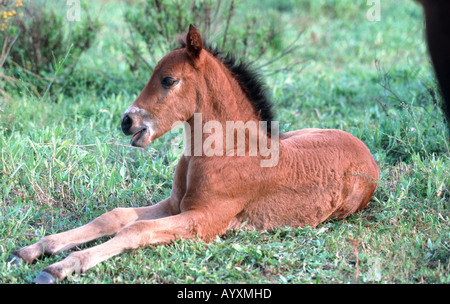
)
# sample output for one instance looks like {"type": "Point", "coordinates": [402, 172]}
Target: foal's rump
{"type": "Point", "coordinates": [321, 174]}
{"type": "Point", "coordinates": [336, 167]}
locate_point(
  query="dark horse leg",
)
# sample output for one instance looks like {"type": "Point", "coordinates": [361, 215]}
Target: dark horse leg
{"type": "Point", "coordinates": [437, 21]}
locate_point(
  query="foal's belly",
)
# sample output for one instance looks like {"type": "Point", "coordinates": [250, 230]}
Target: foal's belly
{"type": "Point", "coordinates": [285, 209]}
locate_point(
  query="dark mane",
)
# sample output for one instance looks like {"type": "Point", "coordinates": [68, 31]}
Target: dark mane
{"type": "Point", "coordinates": [250, 81]}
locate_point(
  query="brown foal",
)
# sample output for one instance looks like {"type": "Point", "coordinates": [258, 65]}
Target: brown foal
{"type": "Point", "coordinates": [311, 175]}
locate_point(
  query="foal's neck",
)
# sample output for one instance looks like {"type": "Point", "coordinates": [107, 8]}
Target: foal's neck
{"type": "Point", "coordinates": [223, 98]}
{"type": "Point", "coordinates": [222, 104]}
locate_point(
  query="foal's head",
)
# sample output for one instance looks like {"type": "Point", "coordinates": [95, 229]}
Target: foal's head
{"type": "Point", "coordinates": [169, 96]}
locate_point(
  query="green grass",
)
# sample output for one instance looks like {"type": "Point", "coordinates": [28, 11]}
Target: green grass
{"type": "Point", "coordinates": [65, 163]}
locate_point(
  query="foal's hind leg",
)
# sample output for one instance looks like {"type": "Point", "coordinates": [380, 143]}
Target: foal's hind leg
{"type": "Point", "coordinates": [106, 224]}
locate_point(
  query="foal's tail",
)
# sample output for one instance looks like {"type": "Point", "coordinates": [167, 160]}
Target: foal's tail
{"type": "Point", "coordinates": [369, 183]}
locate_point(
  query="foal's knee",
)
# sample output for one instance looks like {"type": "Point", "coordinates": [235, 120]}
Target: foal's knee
{"type": "Point", "coordinates": [114, 220]}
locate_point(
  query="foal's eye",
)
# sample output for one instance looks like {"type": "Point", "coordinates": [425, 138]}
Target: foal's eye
{"type": "Point", "coordinates": [168, 81]}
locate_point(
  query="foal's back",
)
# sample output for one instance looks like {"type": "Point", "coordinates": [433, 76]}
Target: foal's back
{"type": "Point", "coordinates": [321, 174]}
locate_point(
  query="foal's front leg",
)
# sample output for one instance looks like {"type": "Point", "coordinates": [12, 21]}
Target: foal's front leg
{"type": "Point", "coordinates": [106, 224]}
{"type": "Point", "coordinates": [139, 234]}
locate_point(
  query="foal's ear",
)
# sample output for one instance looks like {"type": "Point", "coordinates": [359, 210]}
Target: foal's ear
{"type": "Point", "coordinates": [194, 42]}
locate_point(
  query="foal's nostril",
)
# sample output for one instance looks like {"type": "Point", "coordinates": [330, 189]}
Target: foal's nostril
{"type": "Point", "coordinates": [126, 124]}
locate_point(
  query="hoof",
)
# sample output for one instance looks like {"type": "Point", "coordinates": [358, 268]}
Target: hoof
{"type": "Point", "coordinates": [44, 278]}
{"type": "Point", "coordinates": [14, 260]}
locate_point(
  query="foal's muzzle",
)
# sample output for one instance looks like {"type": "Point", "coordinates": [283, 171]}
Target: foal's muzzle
{"type": "Point", "coordinates": [128, 129]}
{"type": "Point", "coordinates": [137, 122]}
{"type": "Point", "coordinates": [133, 124]}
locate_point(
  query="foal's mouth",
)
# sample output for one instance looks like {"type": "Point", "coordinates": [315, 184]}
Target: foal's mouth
{"type": "Point", "coordinates": [137, 136]}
